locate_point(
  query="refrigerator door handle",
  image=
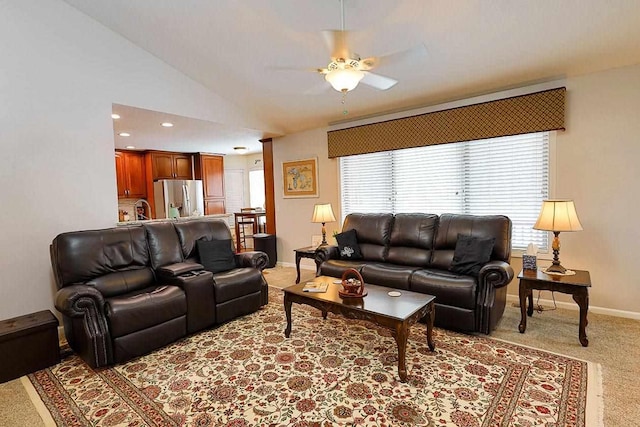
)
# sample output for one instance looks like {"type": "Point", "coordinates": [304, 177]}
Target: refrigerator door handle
{"type": "Point", "coordinates": [187, 199]}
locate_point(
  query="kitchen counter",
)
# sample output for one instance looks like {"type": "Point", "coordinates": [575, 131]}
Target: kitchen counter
{"type": "Point", "coordinates": [226, 217]}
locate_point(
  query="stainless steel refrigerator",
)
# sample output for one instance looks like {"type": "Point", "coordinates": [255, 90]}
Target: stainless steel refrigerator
{"type": "Point", "coordinates": [178, 198]}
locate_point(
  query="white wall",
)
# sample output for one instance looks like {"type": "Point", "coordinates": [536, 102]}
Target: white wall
{"type": "Point", "coordinates": [596, 165]}
{"type": "Point", "coordinates": [60, 71]}
{"type": "Point", "coordinates": [293, 216]}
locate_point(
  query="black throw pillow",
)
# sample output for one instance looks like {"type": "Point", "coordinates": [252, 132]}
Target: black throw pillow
{"type": "Point", "coordinates": [471, 254]}
{"type": "Point", "coordinates": [216, 255]}
{"type": "Point", "coordinates": [348, 245]}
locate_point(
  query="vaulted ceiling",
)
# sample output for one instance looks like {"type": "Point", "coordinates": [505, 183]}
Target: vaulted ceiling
{"type": "Point", "coordinates": [255, 52]}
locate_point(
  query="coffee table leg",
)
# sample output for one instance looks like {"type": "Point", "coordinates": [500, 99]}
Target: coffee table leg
{"type": "Point", "coordinates": [430, 320]}
{"type": "Point", "coordinates": [287, 310]}
{"type": "Point", "coordinates": [582, 298]}
{"type": "Point", "coordinates": [324, 314]}
{"type": "Point", "coordinates": [401, 335]}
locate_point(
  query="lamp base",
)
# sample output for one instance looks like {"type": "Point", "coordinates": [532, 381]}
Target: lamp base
{"type": "Point", "coordinates": [556, 268]}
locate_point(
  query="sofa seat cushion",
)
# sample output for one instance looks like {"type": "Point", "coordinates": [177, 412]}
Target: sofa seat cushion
{"type": "Point", "coordinates": [335, 267]}
{"type": "Point", "coordinates": [236, 283]}
{"type": "Point", "coordinates": [448, 288]}
{"type": "Point", "coordinates": [391, 275]}
{"type": "Point", "coordinates": [142, 309]}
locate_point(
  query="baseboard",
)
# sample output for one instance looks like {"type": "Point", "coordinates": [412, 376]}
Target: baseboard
{"type": "Point", "coordinates": [293, 265]}
{"type": "Point", "coordinates": [61, 336]}
{"type": "Point", "coordinates": [572, 306]}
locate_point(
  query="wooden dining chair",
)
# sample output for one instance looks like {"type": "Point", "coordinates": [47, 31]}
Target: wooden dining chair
{"type": "Point", "coordinates": [244, 222]}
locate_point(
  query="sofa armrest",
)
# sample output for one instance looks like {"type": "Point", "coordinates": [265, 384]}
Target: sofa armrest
{"type": "Point", "coordinates": [85, 323]}
{"type": "Point", "coordinates": [496, 274]}
{"type": "Point", "coordinates": [80, 300]}
{"type": "Point", "coordinates": [324, 253]}
{"type": "Point", "coordinates": [178, 269]}
{"type": "Point", "coordinates": [255, 259]}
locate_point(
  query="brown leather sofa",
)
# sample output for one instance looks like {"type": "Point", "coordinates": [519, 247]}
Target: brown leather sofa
{"type": "Point", "coordinates": [126, 291]}
{"type": "Point", "coordinates": [415, 252]}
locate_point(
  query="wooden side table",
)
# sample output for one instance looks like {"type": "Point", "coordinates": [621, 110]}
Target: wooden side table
{"type": "Point", "coordinates": [306, 252]}
{"type": "Point", "coordinates": [576, 285]}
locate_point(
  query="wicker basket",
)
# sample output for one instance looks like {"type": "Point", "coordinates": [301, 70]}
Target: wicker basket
{"type": "Point", "coordinates": [352, 284]}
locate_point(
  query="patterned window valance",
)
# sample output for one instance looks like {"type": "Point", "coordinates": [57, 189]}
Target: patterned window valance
{"type": "Point", "coordinates": [535, 112]}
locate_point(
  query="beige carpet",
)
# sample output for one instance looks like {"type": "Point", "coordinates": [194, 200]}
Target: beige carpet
{"type": "Point", "coordinates": [614, 343]}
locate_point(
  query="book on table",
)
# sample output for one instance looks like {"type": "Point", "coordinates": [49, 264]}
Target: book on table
{"type": "Point", "coordinates": [315, 287]}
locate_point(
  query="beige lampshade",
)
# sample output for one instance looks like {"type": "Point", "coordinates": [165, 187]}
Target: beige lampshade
{"type": "Point", "coordinates": [558, 215]}
{"type": "Point", "coordinates": [323, 213]}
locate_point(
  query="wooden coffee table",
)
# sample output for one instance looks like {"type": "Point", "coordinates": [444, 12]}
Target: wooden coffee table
{"type": "Point", "coordinates": [394, 313]}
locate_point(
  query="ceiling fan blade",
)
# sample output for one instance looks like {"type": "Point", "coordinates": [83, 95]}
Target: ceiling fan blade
{"type": "Point", "coordinates": [412, 54]}
{"type": "Point", "coordinates": [337, 43]}
{"type": "Point", "coordinates": [377, 81]}
{"type": "Point", "coordinates": [318, 89]}
{"type": "Point", "coordinates": [307, 69]}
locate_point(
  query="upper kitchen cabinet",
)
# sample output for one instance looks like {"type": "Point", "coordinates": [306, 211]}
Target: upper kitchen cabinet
{"type": "Point", "coordinates": [130, 175]}
{"type": "Point", "coordinates": [210, 169]}
{"type": "Point", "coordinates": [171, 166]}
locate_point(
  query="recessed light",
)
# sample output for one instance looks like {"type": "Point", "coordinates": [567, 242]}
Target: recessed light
{"type": "Point", "coordinates": [124, 134]}
{"type": "Point", "coordinates": [115, 116]}
{"type": "Point", "coordinates": [130, 147]}
{"type": "Point", "coordinates": [167, 124]}
{"type": "Point", "coordinates": [240, 150]}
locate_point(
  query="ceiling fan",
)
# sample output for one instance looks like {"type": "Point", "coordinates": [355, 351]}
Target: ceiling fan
{"type": "Point", "coordinates": [347, 68]}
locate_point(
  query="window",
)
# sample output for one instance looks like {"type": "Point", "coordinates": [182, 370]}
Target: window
{"type": "Point", "coordinates": [256, 188]}
{"type": "Point", "coordinates": [507, 176]}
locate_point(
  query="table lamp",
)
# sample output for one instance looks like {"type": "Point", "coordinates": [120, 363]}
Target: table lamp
{"type": "Point", "coordinates": [557, 216]}
{"type": "Point", "coordinates": [323, 213]}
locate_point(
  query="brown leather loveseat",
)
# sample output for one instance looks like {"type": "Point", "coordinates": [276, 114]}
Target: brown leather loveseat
{"type": "Point", "coordinates": [416, 252]}
{"type": "Point", "coordinates": [126, 291]}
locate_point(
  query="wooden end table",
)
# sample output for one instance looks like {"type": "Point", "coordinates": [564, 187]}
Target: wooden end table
{"type": "Point", "coordinates": [576, 285]}
{"type": "Point", "coordinates": [306, 252]}
{"type": "Point", "coordinates": [394, 313]}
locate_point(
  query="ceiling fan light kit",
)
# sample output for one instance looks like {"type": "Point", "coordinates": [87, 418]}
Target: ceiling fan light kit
{"type": "Point", "coordinates": [344, 79]}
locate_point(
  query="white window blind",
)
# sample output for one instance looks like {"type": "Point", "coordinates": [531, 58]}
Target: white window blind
{"type": "Point", "coordinates": [507, 176]}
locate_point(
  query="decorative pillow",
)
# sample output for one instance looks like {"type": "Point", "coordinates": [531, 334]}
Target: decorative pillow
{"type": "Point", "coordinates": [348, 245]}
{"type": "Point", "coordinates": [471, 254]}
{"type": "Point", "coordinates": [216, 255]}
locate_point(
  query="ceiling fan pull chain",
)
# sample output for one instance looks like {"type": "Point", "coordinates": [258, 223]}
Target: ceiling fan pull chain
{"type": "Point", "coordinates": [344, 102]}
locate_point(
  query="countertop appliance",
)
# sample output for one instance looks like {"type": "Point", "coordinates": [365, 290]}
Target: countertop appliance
{"type": "Point", "coordinates": [177, 197]}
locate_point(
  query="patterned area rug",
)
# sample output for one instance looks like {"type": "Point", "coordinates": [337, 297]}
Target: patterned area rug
{"type": "Point", "coordinates": [329, 372]}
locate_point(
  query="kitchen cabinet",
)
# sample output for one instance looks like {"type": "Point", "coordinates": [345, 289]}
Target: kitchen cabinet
{"type": "Point", "coordinates": [171, 166]}
{"type": "Point", "coordinates": [210, 169]}
{"type": "Point", "coordinates": [130, 175]}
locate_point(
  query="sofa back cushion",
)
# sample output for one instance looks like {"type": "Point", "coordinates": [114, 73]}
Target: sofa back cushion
{"type": "Point", "coordinates": [487, 226]}
{"type": "Point", "coordinates": [189, 232]}
{"type": "Point", "coordinates": [164, 247]}
{"type": "Point", "coordinates": [87, 256]}
{"type": "Point", "coordinates": [122, 282]}
{"type": "Point", "coordinates": [373, 231]}
{"type": "Point", "coordinates": [412, 239]}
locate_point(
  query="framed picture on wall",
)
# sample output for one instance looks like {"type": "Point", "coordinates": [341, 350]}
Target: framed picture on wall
{"type": "Point", "coordinates": [300, 178]}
